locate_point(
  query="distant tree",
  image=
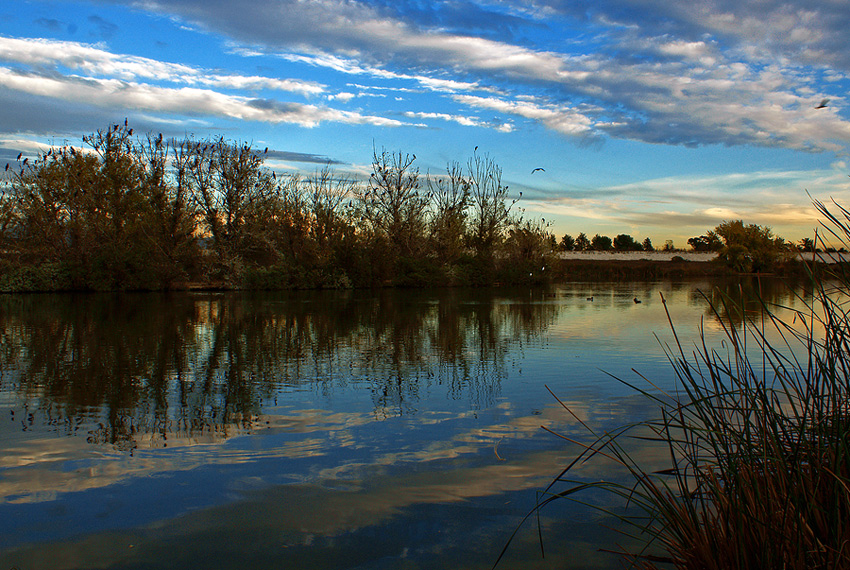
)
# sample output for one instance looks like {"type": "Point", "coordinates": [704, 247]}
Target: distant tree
{"type": "Point", "coordinates": [668, 245]}
{"type": "Point", "coordinates": [568, 243]}
{"type": "Point", "coordinates": [647, 245]}
{"type": "Point", "coordinates": [582, 243]}
{"type": "Point", "coordinates": [708, 242]}
{"type": "Point", "coordinates": [750, 247]}
{"type": "Point", "coordinates": [806, 245]}
{"type": "Point", "coordinates": [601, 243]}
{"type": "Point", "coordinates": [625, 242]}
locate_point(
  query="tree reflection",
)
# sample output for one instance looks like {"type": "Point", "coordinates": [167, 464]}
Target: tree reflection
{"type": "Point", "coordinates": [156, 367]}
{"type": "Point", "coordinates": [743, 300]}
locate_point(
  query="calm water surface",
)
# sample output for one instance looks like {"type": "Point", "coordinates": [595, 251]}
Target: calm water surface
{"type": "Point", "coordinates": [331, 430]}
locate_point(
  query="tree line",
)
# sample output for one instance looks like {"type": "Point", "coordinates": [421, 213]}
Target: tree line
{"type": "Point", "coordinates": [743, 248]}
{"type": "Point", "coordinates": [144, 212]}
{"type": "Point", "coordinates": [623, 242]}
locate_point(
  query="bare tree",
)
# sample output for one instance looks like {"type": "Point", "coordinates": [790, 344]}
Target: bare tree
{"type": "Point", "coordinates": [326, 196]}
{"type": "Point", "coordinates": [490, 208]}
{"type": "Point", "coordinates": [450, 199]}
{"type": "Point", "coordinates": [232, 192]}
{"type": "Point", "coordinates": [392, 204]}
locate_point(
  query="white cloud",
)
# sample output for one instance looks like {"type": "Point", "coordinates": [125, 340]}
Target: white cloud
{"type": "Point", "coordinates": [113, 93]}
{"type": "Point", "coordinates": [466, 121]}
{"type": "Point", "coordinates": [559, 118]}
{"type": "Point", "coordinates": [345, 97]}
{"type": "Point", "coordinates": [95, 61]}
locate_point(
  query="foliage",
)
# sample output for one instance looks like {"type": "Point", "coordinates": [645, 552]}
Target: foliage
{"type": "Point", "coordinates": [647, 245]}
{"type": "Point", "coordinates": [750, 248]}
{"type": "Point", "coordinates": [582, 243]}
{"type": "Point", "coordinates": [568, 243]}
{"type": "Point", "coordinates": [105, 213]}
{"type": "Point", "coordinates": [528, 254]}
{"type": "Point", "coordinates": [625, 242]}
{"type": "Point", "coordinates": [35, 278]}
{"type": "Point", "coordinates": [708, 242]}
{"type": "Point", "coordinates": [806, 245]}
{"type": "Point", "coordinates": [601, 243]}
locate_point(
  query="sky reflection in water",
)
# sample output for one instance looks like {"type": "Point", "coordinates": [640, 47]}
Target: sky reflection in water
{"type": "Point", "coordinates": [397, 429]}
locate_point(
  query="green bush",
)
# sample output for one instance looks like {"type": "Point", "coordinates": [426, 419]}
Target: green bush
{"type": "Point", "coordinates": [35, 278]}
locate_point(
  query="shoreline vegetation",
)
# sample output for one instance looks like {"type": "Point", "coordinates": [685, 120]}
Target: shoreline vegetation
{"type": "Point", "coordinates": [127, 212]}
{"type": "Point", "coordinates": [50, 278]}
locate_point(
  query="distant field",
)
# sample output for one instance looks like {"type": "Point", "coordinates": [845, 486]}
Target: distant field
{"type": "Point", "coordinates": [635, 255]}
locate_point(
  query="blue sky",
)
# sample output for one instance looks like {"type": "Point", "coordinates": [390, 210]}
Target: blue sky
{"type": "Point", "coordinates": [653, 118]}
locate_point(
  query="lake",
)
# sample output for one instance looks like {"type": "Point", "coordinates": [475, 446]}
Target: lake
{"type": "Point", "coordinates": [325, 430]}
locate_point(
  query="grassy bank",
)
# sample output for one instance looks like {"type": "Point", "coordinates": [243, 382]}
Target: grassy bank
{"type": "Point", "coordinates": [635, 270]}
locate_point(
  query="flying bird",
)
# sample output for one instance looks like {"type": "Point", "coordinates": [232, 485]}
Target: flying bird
{"type": "Point", "coordinates": [822, 104]}
{"type": "Point", "coordinates": [540, 169]}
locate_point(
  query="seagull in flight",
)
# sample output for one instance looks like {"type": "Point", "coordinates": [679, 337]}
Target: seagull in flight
{"type": "Point", "coordinates": [822, 104]}
{"type": "Point", "coordinates": [540, 169]}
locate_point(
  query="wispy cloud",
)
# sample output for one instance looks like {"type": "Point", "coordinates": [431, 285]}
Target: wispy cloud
{"type": "Point", "coordinates": [117, 81]}
{"type": "Point", "coordinates": [117, 94]}
{"type": "Point", "coordinates": [466, 121]}
{"type": "Point", "coordinates": [98, 62]}
{"type": "Point", "coordinates": [560, 118]}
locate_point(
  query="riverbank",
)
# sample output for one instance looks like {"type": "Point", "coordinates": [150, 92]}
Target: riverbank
{"type": "Point", "coordinates": [565, 267]}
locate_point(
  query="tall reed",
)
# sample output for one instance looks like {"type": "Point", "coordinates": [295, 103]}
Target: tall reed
{"type": "Point", "coordinates": [758, 439]}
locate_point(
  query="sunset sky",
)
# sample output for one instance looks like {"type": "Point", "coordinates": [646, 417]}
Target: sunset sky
{"type": "Point", "coordinates": [653, 118]}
